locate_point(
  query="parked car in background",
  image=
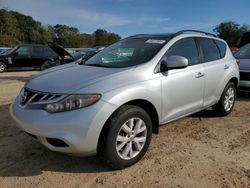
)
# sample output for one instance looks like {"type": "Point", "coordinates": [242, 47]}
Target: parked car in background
{"type": "Point", "coordinates": [84, 52]}
{"type": "Point", "coordinates": [78, 57]}
{"type": "Point", "coordinates": [75, 50]}
{"type": "Point", "coordinates": [111, 103]}
{"type": "Point", "coordinates": [99, 47]}
{"type": "Point", "coordinates": [234, 49]}
{"type": "Point", "coordinates": [33, 55]}
{"type": "Point", "coordinates": [3, 49]}
{"type": "Point", "coordinates": [243, 55]}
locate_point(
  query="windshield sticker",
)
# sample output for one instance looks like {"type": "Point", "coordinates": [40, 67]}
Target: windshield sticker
{"type": "Point", "coordinates": [155, 41]}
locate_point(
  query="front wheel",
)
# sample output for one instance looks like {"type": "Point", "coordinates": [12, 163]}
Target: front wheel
{"type": "Point", "coordinates": [3, 67]}
{"type": "Point", "coordinates": [227, 100]}
{"type": "Point", "coordinates": [126, 138]}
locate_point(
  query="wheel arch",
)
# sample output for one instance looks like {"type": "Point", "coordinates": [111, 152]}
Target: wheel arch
{"type": "Point", "coordinates": [142, 103]}
{"type": "Point", "coordinates": [150, 109]}
{"type": "Point", "coordinates": [235, 81]}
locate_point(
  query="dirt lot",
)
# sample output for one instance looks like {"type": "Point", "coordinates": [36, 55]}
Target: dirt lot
{"type": "Point", "coordinates": [198, 151]}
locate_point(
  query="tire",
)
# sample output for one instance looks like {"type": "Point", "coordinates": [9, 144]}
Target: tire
{"type": "Point", "coordinates": [119, 145]}
{"type": "Point", "coordinates": [3, 67]}
{"type": "Point", "coordinates": [227, 100]}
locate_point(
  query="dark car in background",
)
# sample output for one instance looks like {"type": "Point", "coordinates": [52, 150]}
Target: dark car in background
{"type": "Point", "coordinates": [243, 55]}
{"type": "Point", "coordinates": [84, 53]}
{"type": "Point", "coordinates": [3, 49]}
{"type": "Point", "coordinates": [33, 55]}
{"type": "Point", "coordinates": [78, 56]}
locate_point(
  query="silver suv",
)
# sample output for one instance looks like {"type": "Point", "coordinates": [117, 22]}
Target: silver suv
{"type": "Point", "coordinates": [111, 104]}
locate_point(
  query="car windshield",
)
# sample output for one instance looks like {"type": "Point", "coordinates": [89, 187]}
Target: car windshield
{"type": "Point", "coordinates": [243, 52]}
{"type": "Point", "coordinates": [9, 51]}
{"type": "Point", "coordinates": [127, 52]}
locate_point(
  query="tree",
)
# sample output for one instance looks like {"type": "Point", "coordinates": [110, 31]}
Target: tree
{"type": "Point", "coordinates": [9, 31]}
{"type": "Point", "coordinates": [113, 38]}
{"type": "Point", "coordinates": [16, 28]}
{"type": "Point", "coordinates": [231, 32]}
{"type": "Point", "coordinates": [102, 37]}
{"type": "Point", "coordinates": [245, 39]}
{"type": "Point", "coordinates": [63, 31]}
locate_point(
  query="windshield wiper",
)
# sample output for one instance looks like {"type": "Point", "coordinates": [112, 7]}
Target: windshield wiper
{"type": "Point", "coordinates": [96, 65]}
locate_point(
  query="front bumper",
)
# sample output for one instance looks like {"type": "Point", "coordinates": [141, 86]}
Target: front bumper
{"type": "Point", "coordinates": [78, 129]}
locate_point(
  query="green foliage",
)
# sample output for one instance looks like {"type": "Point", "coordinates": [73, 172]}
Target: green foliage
{"type": "Point", "coordinates": [102, 37]}
{"type": "Point", "coordinates": [16, 28]}
{"type": "Point", "coordinates": [245, 39]}
{"type": "Point", "coordinates": [231, 32]}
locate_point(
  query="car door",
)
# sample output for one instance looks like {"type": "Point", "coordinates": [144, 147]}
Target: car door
{"type": "Point", "coordinates": [214, 68]}
{"type": "Point", "coordinates": [21, 56]}
{"type": "Point", "coordinates": [182, 89]}
{"type": "Point", "coordinates": [37, 57]}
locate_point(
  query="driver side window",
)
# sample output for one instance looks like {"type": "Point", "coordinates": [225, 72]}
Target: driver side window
{"type": "Point", "coordinates": [186, 48]}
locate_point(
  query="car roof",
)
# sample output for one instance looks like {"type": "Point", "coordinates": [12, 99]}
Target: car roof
{"type": "Point", "coordinates": [153, 36]}
{"type": "Point", "coordinates": [32, 45]}
{"type": "Point", "coordinates": [172, 35]}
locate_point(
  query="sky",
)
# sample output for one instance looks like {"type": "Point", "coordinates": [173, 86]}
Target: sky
{"type": "Point", "coordinates": [129, 17]}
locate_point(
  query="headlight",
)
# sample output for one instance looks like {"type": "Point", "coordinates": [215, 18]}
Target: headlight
{"type": "Point", "coordinates": [72, 102]}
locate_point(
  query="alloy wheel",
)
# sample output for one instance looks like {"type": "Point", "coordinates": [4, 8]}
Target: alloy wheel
{"type": "Point", "coordinates": [229, 99]}
{"type": "Point", "coordinates": [131, 138]}
{"type": "Point", "coordinates": [2, 68]}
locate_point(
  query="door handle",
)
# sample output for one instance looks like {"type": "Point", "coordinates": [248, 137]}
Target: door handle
{"type": "Point", "coordinates": [226, 67]}
{"type": "Point", "coordinates": [199, 74]}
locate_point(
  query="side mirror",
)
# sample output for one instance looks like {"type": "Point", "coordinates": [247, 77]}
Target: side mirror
{"type": "Point", "coordinates": [175, 62]}
{"type": "Point", "coordinates": [15, 53]}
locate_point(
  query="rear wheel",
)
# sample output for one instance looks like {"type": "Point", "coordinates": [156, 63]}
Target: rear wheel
{"type": "Point", "coordinates": [227, 100]}
{"type": "Point", "coordinates": [126, 138]}
{"type": "Point", "coordinates": [3, 67]}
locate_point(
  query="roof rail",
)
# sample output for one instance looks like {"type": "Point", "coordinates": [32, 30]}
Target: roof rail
{"type": "Point", "coordinates": [136, 35]}
{"type": "Point", "coordinates": [194, 31]}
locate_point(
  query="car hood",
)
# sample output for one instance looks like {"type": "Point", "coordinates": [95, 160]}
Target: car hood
{"type": "Point", "coordinates": [60, 51]}
{"type": "Point", "coordinates": [70, 78]}
{"type": "Point", "coordinates": [3, 56]}
{"type": "Point", "coordinates": [245, 64]}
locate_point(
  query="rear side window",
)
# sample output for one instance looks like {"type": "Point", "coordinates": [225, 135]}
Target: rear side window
{"type": "Point", "coordinates": [37, 51]}
{"type": "Point", "coordinates": [222, 47]}
{"type": "Point", "coordinates": [210, 50]}
{"type": "Point", "coordinates": [50, 53]}
{"type": "Point", "coordinates": [186, 48]}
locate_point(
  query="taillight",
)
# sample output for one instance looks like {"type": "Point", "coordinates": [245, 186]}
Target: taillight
{"type": "Point", "coordinates": [238, 63]}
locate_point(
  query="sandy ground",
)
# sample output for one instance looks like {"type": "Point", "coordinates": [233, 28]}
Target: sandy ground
{"type": "Point", "coordinates": [198, 151]}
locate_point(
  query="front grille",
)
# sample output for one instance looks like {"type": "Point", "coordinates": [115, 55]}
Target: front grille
{"type": "Point", "coordinates": [245, 76]}
{"type": "Point", "coordinates": [30, 97]}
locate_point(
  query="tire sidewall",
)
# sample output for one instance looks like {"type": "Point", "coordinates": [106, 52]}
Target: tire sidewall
{"type": "Point", "coordinates": [115, 127]}
{"type": "Point", "coordinates": [5, 67]}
